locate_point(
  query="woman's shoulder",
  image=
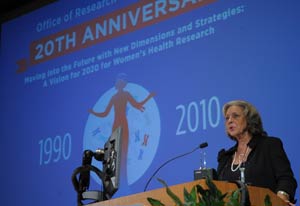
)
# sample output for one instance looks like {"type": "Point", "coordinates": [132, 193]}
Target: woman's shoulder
{"type": "Point", "coordinates": [226, 153]}
{"type": "Point", "coordinates": [270, 141]}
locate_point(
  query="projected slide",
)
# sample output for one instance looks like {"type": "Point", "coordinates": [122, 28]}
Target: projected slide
{"type": "Point", "coordinates": [71, 73]}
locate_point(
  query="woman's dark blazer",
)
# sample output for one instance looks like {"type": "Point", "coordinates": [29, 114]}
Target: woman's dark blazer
{"type": "Point", "coordinates": [267, 165]}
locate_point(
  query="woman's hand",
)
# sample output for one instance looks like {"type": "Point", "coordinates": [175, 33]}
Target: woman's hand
{"type": "Point", "coordinates": [285, 197]}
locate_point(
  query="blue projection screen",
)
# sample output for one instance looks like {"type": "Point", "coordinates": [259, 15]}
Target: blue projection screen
{"type": "Point", "coordinates": [63, 60]}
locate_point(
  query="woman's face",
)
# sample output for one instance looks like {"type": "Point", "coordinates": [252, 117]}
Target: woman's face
{"type": "Point", "coordinates": [235, 121]}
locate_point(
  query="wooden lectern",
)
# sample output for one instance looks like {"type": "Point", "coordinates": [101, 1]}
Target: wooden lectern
{"type": "Point", "coordinates": [257, 195]}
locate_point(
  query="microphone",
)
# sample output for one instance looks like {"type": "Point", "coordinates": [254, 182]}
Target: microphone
{"type": "Point", "coordinates": [242, 170]}
{"type": "Point", "coordinates": [201, 146]}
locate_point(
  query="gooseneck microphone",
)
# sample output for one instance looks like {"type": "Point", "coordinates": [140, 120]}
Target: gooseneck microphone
{"type": "Point", "coordinates": [201, 146]}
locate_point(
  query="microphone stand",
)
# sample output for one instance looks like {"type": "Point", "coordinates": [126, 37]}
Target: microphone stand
{"type": "Point", "coordinates": [203, 145]}
{"type": "Point", "coordinates": [242, 170]}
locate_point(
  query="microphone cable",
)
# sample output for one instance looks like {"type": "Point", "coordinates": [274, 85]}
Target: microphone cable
{"type": "Point", "coordinates": [201, 146]}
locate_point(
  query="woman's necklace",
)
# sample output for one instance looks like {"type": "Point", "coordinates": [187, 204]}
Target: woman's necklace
{"type": "Point", "coordinates": [240, 161]}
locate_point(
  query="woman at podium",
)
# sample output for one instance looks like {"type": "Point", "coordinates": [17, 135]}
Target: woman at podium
{"type": "Point", "coordinates": [256, 158]}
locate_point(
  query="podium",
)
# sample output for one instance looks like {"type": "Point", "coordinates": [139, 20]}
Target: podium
{"type": "Point", "coordinates": [256, 194]}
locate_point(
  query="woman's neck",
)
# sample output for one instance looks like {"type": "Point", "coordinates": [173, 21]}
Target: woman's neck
{"type": "Point", "coordinates": [243, 141]}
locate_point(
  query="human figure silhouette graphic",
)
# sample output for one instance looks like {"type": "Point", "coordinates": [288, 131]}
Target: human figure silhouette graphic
{"type": "Point", "coordinates": [119, 102]}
